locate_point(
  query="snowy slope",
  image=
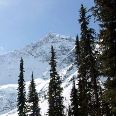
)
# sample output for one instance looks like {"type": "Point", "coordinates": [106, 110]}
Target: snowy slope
{"type": "Point", "coordinates": [36, 58]}
{"type": "Point", "coordinates": [8, 98]}
{"type": "Point", "coordinates": [41, 86]}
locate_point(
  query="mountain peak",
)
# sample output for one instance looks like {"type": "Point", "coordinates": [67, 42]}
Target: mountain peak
{"type": "Point", "coordinates": [55, 36]}
{"type": "Point", "coordinates": [38, 54]}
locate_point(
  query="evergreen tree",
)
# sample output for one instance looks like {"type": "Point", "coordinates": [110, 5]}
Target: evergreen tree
{"type": "Point", "coordinates": [105, 107]}
{"type": "Point", "coordinates": [33, 99]}
{"type": "Point", "coordinates": [82, 85]}
{"type": "Point", "coordinates": [105, 11]}
{"type": "Point", "coordinates": [21, 92]}
{"type": "Point", "coordinates": [77, 51]}
{"type": "Point", "coordinates": [93, 73]}
{"type": "Point", "coordinates": [55, 98]}
{"type": "Point", "coordinates": [74, 100]}
{"type": "Point", "coordinates": [88, 74]}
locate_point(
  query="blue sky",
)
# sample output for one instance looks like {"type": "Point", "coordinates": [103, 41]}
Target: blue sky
{"type": "Point", "coordinates": [25, 21]}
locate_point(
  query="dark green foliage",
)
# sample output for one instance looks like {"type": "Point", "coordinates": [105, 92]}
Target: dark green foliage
{"type": "Point", "coordinates": [82, 85]}
{"type": "Point", "coordinates": [33, 99]}
{"type": "Point", "coordinates": [21, 92]}
{"type": "Point", "coordinates": [105, 11]}
{"type": "Point", "coordinates": [107, 16]}
{"type": "Point", "coordinates": [106, 109]}
{"type": "Point", "coordinates": [92, 75]}
{"type": "Point", "coordinates": [105, 106]}
{"type": "Point", "coordinates": [74, 101]}
{"type": "Point", "coordinates": [55, 98]}
{"type": "Point", "coordinates": [77, 51]}
{"type": "Point", "coordinates": [88, 70]}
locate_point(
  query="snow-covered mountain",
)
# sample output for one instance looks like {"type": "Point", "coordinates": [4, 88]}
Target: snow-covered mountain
{"type": "Point", "coordinates": [36, 58]}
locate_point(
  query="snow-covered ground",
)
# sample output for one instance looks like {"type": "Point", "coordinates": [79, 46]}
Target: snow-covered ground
{"type": "Point", "coordinates": [42, 87]}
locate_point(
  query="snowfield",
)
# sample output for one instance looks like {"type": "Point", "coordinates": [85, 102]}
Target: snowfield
{"type": "Point", "coordinates": [41, 86]}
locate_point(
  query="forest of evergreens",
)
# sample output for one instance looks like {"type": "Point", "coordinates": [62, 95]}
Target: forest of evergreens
{"type": "Point", "coordinates": [88, 96]}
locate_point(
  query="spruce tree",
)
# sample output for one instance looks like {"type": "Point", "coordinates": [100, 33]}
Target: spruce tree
{"type": "Point", "coordinates": [55, 98]}
{"type": "Point", "coordinates": [74, 100]}
{"type": "Point", "coordinates": [88, 74]}
{"type": "Point", "coordinates": [77, 51]}
{"type": "Point", "coordinates": [105, 11]}
{"type": "Point", "coordinates": [33, 99]}
{"type": "Point", "coordinates": [21, 92]}
{"type": "Point", "coordinates": [93, 74]}
{"type": "Point", "coordinates": [105, 106]}
{"type": "Point", "coordinates": [82, 85]}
